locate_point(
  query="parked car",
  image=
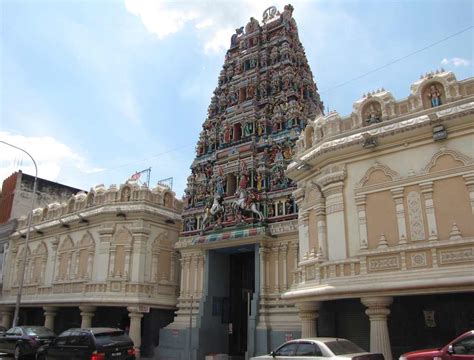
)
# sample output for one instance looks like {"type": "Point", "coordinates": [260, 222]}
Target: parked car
{"type": "Point", "coordinates": [89, 344]}
{"type": "Point", "coordinates": [461, 348]}
{"type": "Point", "coordinates": [334, 348]}
{"type": "Point", "coordinates": [3, 330]}
{"type": "Point", "coordinates": [23, 341]}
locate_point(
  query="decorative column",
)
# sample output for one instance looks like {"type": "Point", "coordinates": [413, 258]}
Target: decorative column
{"type": "Point", "coordinates": [276, 250]}
{"type": "Point", "coordinates": [308, 313]}
{"type": "Point", "coordinates": [135, 331]}
{"type": "Point", "coordinates": [263, 252]}
{"type": "Point", "coordinates": [294, 252]}
{"type": "Point", "coordinates": [126, 268]}
{"type": "Point", "coordinates": [469, 179]}
{"type": "Point", "coordinates": [188, 260]}
{"type": "Point", "coordinates": [113, 250]}
{"type": "Point", "coordinates": [336, 229]}
{"type": "Point", "coordinates": [427, 191]}
{"type": "Point", "coordinates": [173, 257]}
{"type": "Point", "coordinates": [397, 195]}
{"type": "Point", "coordinates": [49, 314]}
{"type": "Point", "coordinates": [322, 229]}
{"type": "Point", "coordinates": [196, 276]}
{"type": "Point", "coordinates": [87, 313]}
{"type": "Point", "coordinates": [7, 314]}
{"type": "Point", "coordinates": [377, 310]}
{"type": "Point", "coordinates": [360, 202]}
{"type": "Point", "coordinates": [141, 235]}
{"type": "Point", "coordinates": [201, 275]}
{"type": "Point", "coordinates": [284, 255]}
{"type": "Point", "coordinates": [303, 232]}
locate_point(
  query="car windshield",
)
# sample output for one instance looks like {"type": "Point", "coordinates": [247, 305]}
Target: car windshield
{"type": "Point", "coordinates": [39, 331]}
{"type": "Point", "coordinates": [342, 347]}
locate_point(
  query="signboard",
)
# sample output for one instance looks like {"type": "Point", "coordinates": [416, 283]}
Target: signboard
{"type": "Point", "coordinates": [288, 336]}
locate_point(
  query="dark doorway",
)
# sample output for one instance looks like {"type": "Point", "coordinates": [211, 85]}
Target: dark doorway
{"type": "Point", "coordinates": [242, 284]}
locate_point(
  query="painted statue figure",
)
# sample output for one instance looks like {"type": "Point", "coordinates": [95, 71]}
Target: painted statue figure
{"type": "Point", "coordinates": [216, 210]}
{"type": "Point", "coordinates": [435, 96]}
{"type": "Point", "coordinates": [246, 202]}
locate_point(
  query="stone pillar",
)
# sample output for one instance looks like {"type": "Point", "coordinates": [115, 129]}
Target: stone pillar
{"type": "Point", "coordinates": [263, 251]}
{"type": "Point", "coordinates": [377, 310]}
{"type": "Point", "coordinates": [308, 313]}
{"type": "Point", "coordinates": [87, 313]}
{"type": "Point", "coordinates": [284, 255]}
{"type": "Point", "coordinates": [138, 254]}
{"type": "Point", "coordinates": [397, 195]}
{"type": "Point", "coordinates": [7, 315]}
{"type": "Point", "coordinates": [335, 220]}
{"type": "Point", "coordinates": [303, 232]}
{"type": "Point", "coordinates": [276, 250]}
{"type": "Point", "coordinates": [427, 191]}
{"type": "Point", "coordinates": [322, 230]}
{"type": "Point", "coordinates": [49, 314]}
{"type": "Point", "coordinates": [360, 202]}
{"type": "Point", "coordinates": [469, 179]}
{"type": "Point", "coordinates": [135, 331]}
{"type": "Point", "coordinates": [294, 252]}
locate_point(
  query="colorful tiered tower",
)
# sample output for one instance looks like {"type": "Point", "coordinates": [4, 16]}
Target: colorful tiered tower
{"type": "Point", "coordinates": [264, 97]}
{"type": "Point", "coordinates": [239, 244]}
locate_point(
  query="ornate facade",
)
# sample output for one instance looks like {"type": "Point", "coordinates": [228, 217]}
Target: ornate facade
{"type": "Point", "coordinates": [105, 258]}
{"type": "Point", "coordinates": [239, 210]}
{"type": "Point", "coordinates": [386, 220]}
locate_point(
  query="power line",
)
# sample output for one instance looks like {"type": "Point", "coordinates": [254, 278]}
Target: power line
{"type": "Point", "coordinates": [398, 59]}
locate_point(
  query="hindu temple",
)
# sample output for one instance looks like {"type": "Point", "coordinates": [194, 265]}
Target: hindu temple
{"type": "Point", "coordinates": [239, 243]}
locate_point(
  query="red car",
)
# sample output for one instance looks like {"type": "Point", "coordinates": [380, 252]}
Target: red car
{"type": "Point", "coordinates": [461, 348]}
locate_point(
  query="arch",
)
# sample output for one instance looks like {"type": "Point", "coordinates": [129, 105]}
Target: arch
{"type": "Point", "coordinates": [87, 240]}
{"type": "Point", "coordinates": [308, 137]}
{"type": "Point", "coordinates": [456, 155]}
{"type": "Point", "coordinates": [41, 249]}
{"type": "Point", "coordinates": [66, 244]}
{"type": "Point", "coordinates": [433, 94]}
{"type": "Point", "coordinates": [388, 172]}
{"type": "Point", "coordinates": [122, 236]}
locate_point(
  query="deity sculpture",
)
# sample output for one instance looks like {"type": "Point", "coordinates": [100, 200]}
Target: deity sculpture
{"type": "Point", "coordinates": [372, 115]}
{"type": "Point", "coordinates": [435, 96]}
{"type": "Point", "coordinates": [233, 39]}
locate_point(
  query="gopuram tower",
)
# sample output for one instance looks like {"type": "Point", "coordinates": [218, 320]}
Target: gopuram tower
{"type": "Point", "coordinates": [239, 245]}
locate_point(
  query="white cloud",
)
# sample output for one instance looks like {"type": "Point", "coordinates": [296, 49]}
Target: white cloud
{"type": "Point", "coordinates": [214, 21]}
{"type": "Point", "coordinates": [50, 155]}
{"type": "Point", "coordinates": [455, 62]}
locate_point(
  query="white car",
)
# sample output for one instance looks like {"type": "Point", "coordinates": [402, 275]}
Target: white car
{"type": "Point", "coordinates": [320, 348]}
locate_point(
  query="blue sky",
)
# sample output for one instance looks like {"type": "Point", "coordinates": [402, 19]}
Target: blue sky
{"type": "Point", "coordinates": [97, 90]}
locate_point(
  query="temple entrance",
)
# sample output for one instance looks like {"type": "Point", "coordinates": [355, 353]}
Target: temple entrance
{"type": "Point", "coordinates": [242, 284]}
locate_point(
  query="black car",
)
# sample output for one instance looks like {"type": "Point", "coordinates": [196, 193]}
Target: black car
{"type": "Point", "coordinates": [89, 344]}
{"type": "Point", "coordinates": [23, 341]}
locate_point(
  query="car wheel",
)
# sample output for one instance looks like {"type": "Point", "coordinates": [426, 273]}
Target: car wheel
{"type": "Point", "coordinates": [17, 353]}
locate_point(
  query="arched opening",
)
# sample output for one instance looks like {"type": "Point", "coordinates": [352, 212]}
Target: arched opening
{"type": "Point", "coordinates": [237, 132]}
{"type": "Point", "coordinates": [231, 184]}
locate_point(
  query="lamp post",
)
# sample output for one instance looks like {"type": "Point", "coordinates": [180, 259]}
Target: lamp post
{"type": "Point", "coordinates": [30, 215]}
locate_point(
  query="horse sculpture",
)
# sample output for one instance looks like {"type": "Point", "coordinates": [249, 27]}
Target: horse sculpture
{"type": "Point", "coordinates": [216, 210]}
{"type": "Point", "coordinates": [242, 205]}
